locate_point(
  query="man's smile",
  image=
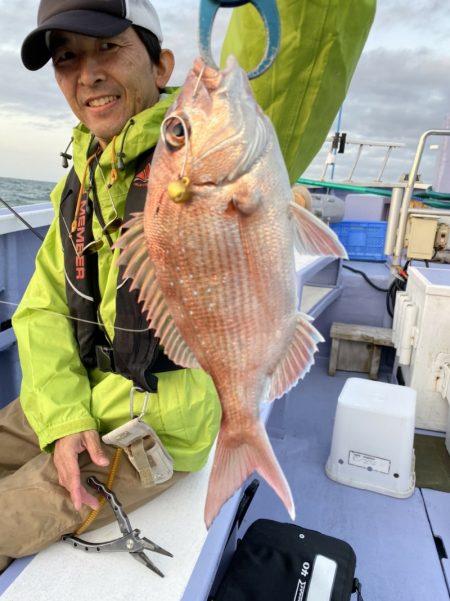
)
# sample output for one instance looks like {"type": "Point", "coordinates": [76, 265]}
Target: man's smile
{"type": "Point", "coordinates": [101, 101]}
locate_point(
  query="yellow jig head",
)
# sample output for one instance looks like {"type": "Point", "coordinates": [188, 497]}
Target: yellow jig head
{"type": "Point", "coordinates": [178, 190]}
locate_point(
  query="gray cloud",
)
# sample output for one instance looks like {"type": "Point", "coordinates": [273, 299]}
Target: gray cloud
{"type": "Point", "coordinates": [400, 88]}
{"type": "Point", "coordinates": [412, 17]}
{"type": "Point", "coordinates": [395, 96]}
{"type": "Point", "coordinates": [33, 92]}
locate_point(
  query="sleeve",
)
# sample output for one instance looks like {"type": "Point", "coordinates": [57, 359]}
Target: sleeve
{"type": "Point", "coordinates": [55, 392]}
{"type": "Point", "coordinates": [321, 42]}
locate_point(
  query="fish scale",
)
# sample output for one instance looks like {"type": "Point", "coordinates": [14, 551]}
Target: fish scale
{"type": "Point", "coordinates": [213, 259]}
{"type": "Point", "coordinates": [222, 287]}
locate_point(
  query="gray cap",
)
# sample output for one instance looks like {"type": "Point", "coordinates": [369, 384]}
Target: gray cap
{"type": "Point", "coordinates": [97, 18]}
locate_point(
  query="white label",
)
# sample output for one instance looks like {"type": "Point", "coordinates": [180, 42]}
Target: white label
{"type": "Point", "coordinates": [125, 435]}
{"type": "Point", "coordinates": [322, 579]}
{"type": "Point", "coordinates": [369, 462]}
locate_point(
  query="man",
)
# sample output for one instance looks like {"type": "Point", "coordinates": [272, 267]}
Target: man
{"type": "Point", "coordinates": [78, 376]}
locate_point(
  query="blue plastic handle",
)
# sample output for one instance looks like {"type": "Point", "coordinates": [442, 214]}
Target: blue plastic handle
{"type": "Point", "coordinates": [269, 13]}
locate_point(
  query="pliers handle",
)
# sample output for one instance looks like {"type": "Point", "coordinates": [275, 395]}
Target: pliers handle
{"type": "Point", "coordinates": [269, 13]}
{"type": "Point", "coordinates": [131, 541]}
{"type": "Point", "coordinates": [121, 516]}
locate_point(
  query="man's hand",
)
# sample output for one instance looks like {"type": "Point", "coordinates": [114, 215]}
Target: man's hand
{"type": "Point", "coordinates": [65, 458]}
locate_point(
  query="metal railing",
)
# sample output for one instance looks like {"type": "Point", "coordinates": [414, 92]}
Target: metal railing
{"type": "Point", "coordinates": [361, 144]}
{"type": "Point", "coordinates": [400, 203]}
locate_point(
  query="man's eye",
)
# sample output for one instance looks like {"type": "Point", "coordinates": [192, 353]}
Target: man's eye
{"type": "Point", "coordinates": [107, 46]}
{"type": "Point", "coordinates": [63, 57]}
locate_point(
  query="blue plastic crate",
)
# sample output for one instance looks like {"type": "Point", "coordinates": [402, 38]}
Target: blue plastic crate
{"type": "Point", "coordinates": [363, 240]}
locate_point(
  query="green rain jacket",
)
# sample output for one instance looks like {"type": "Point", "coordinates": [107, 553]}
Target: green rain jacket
{"type": "Point", "coordinates": [321, 43]}
{"type": "Point", "coordinates": [59, 396]}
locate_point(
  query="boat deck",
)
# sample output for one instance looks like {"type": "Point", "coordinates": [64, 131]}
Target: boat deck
{"type": "Point", "coordinates": [400, 544]}
{"type": "Point", "coordinates": [394, 539]}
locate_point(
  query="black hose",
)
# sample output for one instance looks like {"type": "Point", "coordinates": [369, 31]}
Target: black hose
{"type": "Point", "coordinates": [368, 280]}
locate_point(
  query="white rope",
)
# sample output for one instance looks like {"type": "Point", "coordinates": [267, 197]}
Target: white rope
{"type": "Point", "coordinates": [98, 323]}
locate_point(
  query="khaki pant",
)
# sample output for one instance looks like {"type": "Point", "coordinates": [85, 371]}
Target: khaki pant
{"type": "Point", "coordinates": [35, 510]}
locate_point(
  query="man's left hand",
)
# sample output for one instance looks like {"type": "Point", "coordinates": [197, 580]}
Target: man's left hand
{"type": "Point", "coordinates": [65, 458]}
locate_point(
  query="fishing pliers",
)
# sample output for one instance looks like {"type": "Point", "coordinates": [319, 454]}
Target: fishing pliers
{"type": "Point", "coordinates": [269, 13]}
{"type": "Point", "coordinates": [131, 540]}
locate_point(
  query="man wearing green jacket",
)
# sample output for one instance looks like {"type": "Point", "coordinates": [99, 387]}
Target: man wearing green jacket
{"type": "Point", "coordinates": [77, 376]}
{"type": "Point", "coordinates": [84, 346]}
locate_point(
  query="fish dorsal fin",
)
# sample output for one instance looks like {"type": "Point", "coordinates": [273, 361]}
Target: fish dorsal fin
{"type": "Point", "coordinates": [140, 269]}
{"type": "Point", "coordinates": [298, 359]}
{"type": "Point", "coordinates": [313, 237]}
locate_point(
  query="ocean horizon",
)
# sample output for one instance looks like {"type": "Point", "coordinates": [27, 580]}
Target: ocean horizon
{"type": "Point", "coordinates": [17, 192]}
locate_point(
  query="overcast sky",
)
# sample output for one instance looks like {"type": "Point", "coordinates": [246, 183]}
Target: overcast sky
{"type": "Point", "coordinates": [401, 88]}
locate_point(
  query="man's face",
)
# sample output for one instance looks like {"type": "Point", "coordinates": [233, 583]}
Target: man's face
{"type": "Point", "coordinates": [107, 80]}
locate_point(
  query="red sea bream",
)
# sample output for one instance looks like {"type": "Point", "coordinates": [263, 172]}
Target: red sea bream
{"type": "Point", "coordinates": [213, 256]}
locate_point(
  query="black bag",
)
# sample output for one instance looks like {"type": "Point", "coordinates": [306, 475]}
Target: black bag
{"type": "Point", "coordinates": [285, 562]}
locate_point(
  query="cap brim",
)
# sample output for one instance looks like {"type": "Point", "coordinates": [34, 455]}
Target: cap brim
{"type": "Point", "coordinates": [35, 52]}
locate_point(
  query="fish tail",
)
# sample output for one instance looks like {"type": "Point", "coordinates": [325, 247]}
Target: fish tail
{"type": "Point", "coordinates": [234, 462]}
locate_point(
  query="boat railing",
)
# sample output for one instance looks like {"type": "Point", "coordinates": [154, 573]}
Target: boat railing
{"type": "Point", "coordinates": [408, 188]}
{"type": "Point", "coordinates": [338, 143]}
{"type": "Point", "coordinates": [37, 215]}
{"type": "Point", "coordinates": [401, 204]}
{"type": "Point", "coordinates": [18, 248]}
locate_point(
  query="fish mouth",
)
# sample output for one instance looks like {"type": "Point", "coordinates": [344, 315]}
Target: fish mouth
{"type": "Point", "coordinates": [209, 76]}
{"type": "Point", "coordinates": [200, 67]}
{"type": "Point", "coordinates": [232, 76]}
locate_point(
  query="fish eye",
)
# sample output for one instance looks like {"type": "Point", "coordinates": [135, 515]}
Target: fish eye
{"type": "Point", "coordinates": [174, 132]}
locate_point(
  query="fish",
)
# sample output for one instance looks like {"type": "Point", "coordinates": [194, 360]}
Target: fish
{"type": "Point", "coordinates": [213, 256]}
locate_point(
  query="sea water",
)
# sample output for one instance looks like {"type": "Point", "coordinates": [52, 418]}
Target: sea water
{"type": "Point", "coordinates": [18, 192]}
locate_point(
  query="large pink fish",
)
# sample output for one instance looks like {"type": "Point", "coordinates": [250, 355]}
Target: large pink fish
{"type": "Point", "coordinates": [213, 256]}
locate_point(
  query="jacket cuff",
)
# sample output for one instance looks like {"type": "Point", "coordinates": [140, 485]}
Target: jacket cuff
{"type": "Point", "coordinates": [48, 436]}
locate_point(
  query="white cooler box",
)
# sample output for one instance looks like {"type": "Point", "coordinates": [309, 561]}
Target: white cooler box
{"type": "Point", "coordinates": [373, 438]}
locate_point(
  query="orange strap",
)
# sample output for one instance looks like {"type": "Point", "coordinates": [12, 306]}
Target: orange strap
{"type": "Point", "coordinates": [74, 226]}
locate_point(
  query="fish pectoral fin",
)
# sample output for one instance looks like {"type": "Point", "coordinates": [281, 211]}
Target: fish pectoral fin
{"type": "Point", "coordinates": [234, 463]}
{"type": "Point", "coordinates": [314, 237]}
{"type": "Point", "coordinates": [298, 359]}
{"type": "Point", "coordinates": [246, 201]}
{"type": "Point", "coordinates": [140, 269]}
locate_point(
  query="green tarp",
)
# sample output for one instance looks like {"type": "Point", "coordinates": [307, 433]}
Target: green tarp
{"type": "Point", "coordinates": [321, 42]}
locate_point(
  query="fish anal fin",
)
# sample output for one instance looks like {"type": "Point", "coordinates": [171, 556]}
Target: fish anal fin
{"type": "Point", "coordinates": [140, 269]}
{"type": "Point", "coordinates": [314, 237]}
{"type": "Point", "coordinates": [233, 463]}
{"type": "Point", "coordinates": [298, 359]}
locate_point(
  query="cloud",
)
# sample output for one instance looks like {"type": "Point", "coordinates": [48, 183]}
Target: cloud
{"type": "Point", "coordinates": [400, 87]}
{"type": "Point", "coordinates": [395, 96]}
{"type": "Point", "coordinates": [412, 17]}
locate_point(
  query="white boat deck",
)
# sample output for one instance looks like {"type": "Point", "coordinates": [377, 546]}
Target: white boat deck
{"type": "Point", "coordinates": [394, 539]}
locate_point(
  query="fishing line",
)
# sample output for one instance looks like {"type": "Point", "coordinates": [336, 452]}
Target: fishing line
{"type": "Point", "coordinates": [198, 80]}
{"type": "Point", "coordinates": [183, 124]}
{"type": "Point", "coordinates": [98, 323]}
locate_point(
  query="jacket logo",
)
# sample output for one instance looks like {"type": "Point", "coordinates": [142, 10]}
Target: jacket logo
{"type": "Point", "coordinates": [141, 178]}
{"type": "Point", "coordinates": [80, 270]}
